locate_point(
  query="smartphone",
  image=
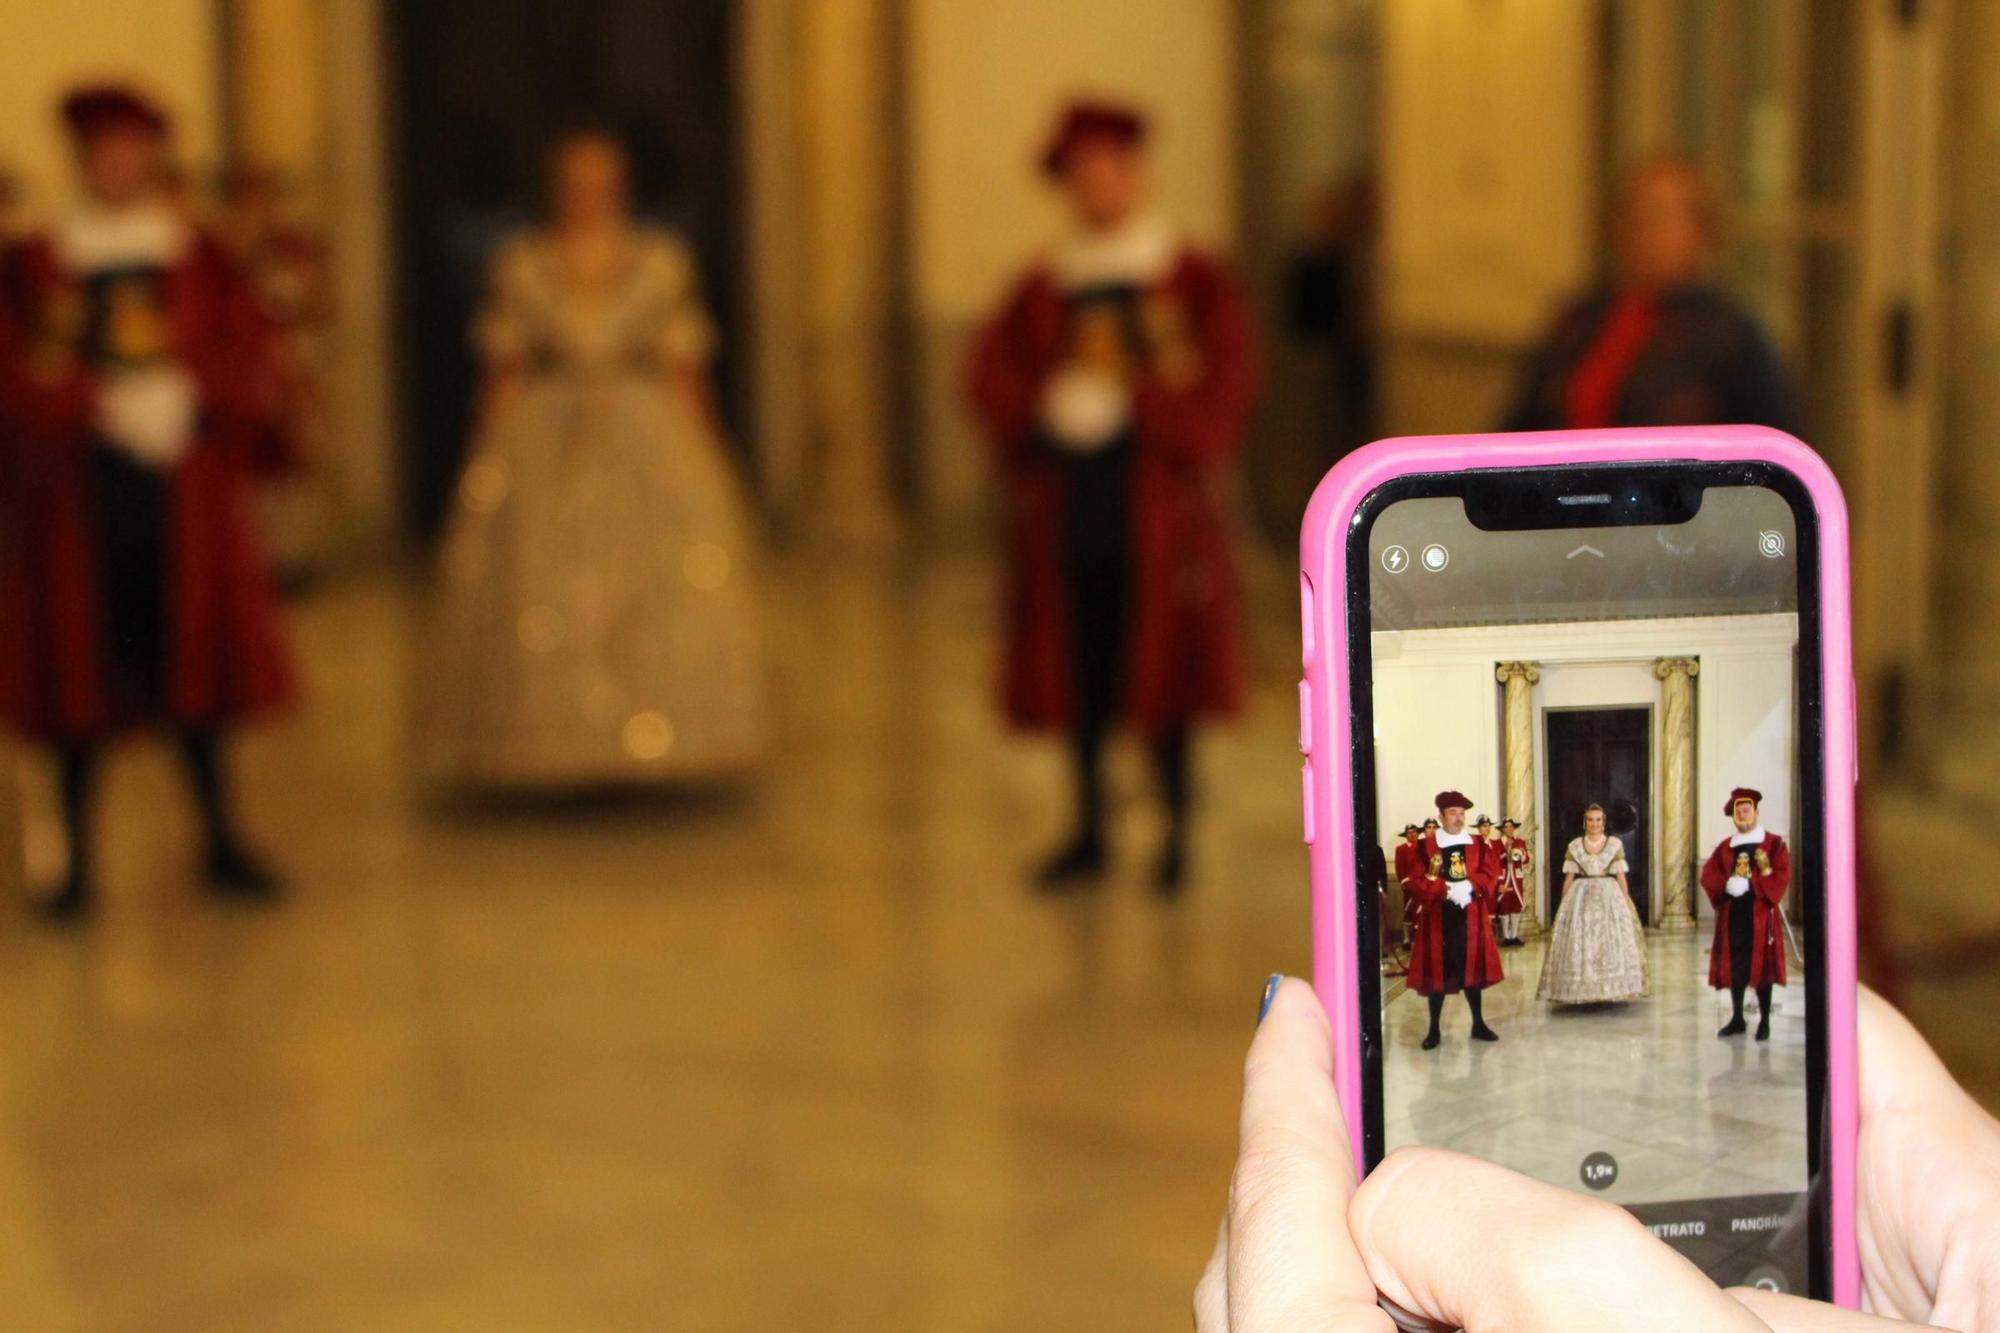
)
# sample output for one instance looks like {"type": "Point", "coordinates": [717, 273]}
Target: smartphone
{"type": "Point", "coordinates": [1578, 718]}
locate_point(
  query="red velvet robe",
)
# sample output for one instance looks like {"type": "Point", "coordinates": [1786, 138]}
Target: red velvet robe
{"type": "Point", "coordinates": [1406, 876]}
{"type": "Point", "coordinates": [1510, 875]}
{"type": "Point", "coordinates": [1406, 864]}
{"type": "Point", "coordinates": [1482, 954]}
{"type": "Point", "coordinates": [226, 652]}
{"type": "Point", "coordinates": [1183, 655]}
{"type": "Point", "coordinates": [1767, 893]}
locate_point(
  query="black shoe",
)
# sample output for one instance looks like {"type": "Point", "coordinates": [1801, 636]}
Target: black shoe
{"type": "Point", "coordinates": [1170, 874]}
{"type": "Point", "coordinates": [1480, 1032]}
{"type": "Point", "coordinates": [1431, 1040]}
{"type": "Point", "coordinates": [1077, 861]}
{"type": "Point", "coordinates": [232, 872]}
{"type": "Point", "coordinates": [1764, 1027]}
{"type": "Point", "coordinates": [1510, 944]}
{"type": "Point", "coordinates": [1735, 1027]}
{"type": "Point", "coordinates": [69, 903]}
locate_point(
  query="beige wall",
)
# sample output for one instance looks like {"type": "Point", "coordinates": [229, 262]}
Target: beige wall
{"type": "Point", "coordinates": [281, 85]}
{"type": "Point", "coordinates": [984, 82]}
{"type": "Point", "coordinates": [1437, 724]}
{"type": "Point", "coordinates": [1489, 196]}
{"type": "Point", "coordinates": [168, 46]}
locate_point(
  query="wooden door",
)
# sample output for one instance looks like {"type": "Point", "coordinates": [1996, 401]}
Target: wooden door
{"type": "Point", "coordinates": [1602, 756]}
{"type": "Point", "coordinates": [480, 88]}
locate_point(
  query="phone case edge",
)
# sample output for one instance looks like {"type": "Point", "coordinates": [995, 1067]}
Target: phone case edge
{"type": "Point", "coordinates": [1329, 773]}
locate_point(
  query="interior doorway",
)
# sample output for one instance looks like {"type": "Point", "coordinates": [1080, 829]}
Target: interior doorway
{"type": "Point", "coordinates": [1602, 756]}
{"type": "Point", "coordinates": [478, 88]}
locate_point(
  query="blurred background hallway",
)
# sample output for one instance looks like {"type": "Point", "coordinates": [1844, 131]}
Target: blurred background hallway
{"type": "Point", "coordinates": [801, 1044]}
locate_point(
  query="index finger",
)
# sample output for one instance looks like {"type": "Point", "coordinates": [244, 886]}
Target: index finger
{"type": "Point", "coordinates": [1292, 1263]}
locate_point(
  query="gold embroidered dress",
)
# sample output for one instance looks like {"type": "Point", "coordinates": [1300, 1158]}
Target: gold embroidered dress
{"type": "Point", "coordinates": [1597, 949]}
{"type": "Point", "coordinates": [594, 620]}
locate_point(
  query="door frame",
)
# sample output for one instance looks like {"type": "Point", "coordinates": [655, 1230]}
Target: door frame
{"type": "Point", "coordinates": [1553, 851]}
{"type": "Point", "coordinates": [1680, 77]}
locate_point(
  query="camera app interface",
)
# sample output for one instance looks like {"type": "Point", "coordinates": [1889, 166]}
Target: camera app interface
{"type": "Point", "coordinates": [1586, 747]}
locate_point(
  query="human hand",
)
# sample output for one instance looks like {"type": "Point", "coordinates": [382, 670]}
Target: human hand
{"type": "Point", "coordinates": [1302, 1248]}
{"type": "Point", "coordinates": [1738, 886]}
{"type": "Point", "coordinates": [1284, 1258]}
{"type": "Point", "coordinates": [1927, 1196]}
{"type": "Point", "coordinates": [1460, 893]}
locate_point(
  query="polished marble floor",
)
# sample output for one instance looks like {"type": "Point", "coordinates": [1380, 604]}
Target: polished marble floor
{"type": "Point", "coordinates": [1684, 1114]}
{"type": "Point", "coordinates": [801, 1055]}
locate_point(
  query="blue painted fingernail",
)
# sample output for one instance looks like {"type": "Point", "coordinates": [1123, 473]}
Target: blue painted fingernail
{"type": "Point", "coordinates": [1270, 994]}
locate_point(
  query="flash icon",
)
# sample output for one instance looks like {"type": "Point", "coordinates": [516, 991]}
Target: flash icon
{"type": "Point", "coordinates": [1395, 559]}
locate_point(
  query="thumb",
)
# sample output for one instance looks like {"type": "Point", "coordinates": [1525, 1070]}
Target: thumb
{"type": "Point", "coordinates": [1472, 1245]}
{"type": "Point", "coordinates": [1291, 1263]}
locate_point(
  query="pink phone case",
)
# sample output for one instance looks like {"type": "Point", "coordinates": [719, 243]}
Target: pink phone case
{"type": "Point", "coordinates": [1325, 729]}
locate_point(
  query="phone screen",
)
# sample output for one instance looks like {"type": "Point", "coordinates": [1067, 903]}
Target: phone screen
{"type": "Point", "coordinates": [1587, 809]}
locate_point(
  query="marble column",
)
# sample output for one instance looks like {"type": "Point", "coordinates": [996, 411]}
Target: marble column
{"type": "Point", "coordinates": [848, 196]}
{"type": "Point", "coordinates": [1677, 813]}
{"type": "Point", "coordinates": [1517, 680]}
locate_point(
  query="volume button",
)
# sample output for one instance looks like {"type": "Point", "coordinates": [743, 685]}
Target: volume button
{"type": "Point", "coordinates": [1305, 718]}
{"type": "Point", "coordinates": [1854, 730]}
{"type": "Point", "coordinates": [1306, 794]}
{"type": "Point", "coordinates": [1308, 637]}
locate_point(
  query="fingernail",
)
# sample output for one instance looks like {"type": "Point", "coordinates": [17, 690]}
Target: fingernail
{"type": "Point", "coordinates": [1270, 994]}
{"type": "Point", "coordinates": [1402, 1318]}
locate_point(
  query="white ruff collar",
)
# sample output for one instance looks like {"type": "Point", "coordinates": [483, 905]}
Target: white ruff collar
{"type": "Point", "coordinates": [1745, 839]}
{"type": "Point", "coordinates": [1137, 252]}
{"type": "Point", "coordinates": [92, 238]}
{"type": "Point", "coordinates": [1452, 839]}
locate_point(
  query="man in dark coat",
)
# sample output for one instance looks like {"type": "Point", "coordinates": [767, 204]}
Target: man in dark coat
{"type": "Point", "coordinates": [1455, 951]}
{"type": "Point", "coordinates": [1115, 385]}
{"type": "Point", "coordinates": [1660, 345]}
{"type": "Point", "coordinates": [133, 376]}
{"type": "Point", "coordinates": [1746, 877]}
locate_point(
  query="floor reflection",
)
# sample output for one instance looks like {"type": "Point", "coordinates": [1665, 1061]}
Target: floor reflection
{"type": "Point", "coordinates": [801, 1053]}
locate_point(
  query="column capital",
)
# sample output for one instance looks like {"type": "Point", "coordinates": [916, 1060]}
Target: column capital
{"type": "Point", "coordinates": [1528, 671]}
{"type": "Point", "coordinates": [1672, 666]}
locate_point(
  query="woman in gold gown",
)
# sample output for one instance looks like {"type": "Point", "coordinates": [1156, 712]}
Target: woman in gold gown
{"type": "Point", "coordinates": [1597, 948]}
{"type": "Point", "coordinates": [594, 622]}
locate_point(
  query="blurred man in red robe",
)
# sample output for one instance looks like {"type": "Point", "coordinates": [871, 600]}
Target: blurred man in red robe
{"type": "Point", "coordinates": [1455, 950]}
{"type": "Point", "coordinates": [134, 378]}
{"type": "Point", "coordinates": [1115, 384]}
{"type": "Point", "coordinates": [286, 267]}
{"type": "Point", "coordinates": [1746, 877]}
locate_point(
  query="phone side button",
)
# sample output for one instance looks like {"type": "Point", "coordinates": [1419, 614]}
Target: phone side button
{"type": "Point", "coordinates": [1308, 630]}
{"type": "Point", "coordinates": [1305, 718]}
{"type": "Point", "coordinates": [1854, 729]}
{"type": "Point", "coordinates": [1306, 792]}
